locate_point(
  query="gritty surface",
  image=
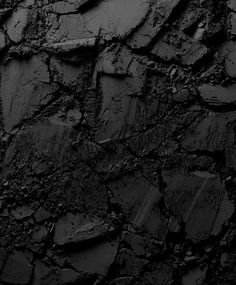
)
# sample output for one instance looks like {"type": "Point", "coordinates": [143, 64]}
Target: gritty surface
{"type": "Point", "coordinates": [118, 131]}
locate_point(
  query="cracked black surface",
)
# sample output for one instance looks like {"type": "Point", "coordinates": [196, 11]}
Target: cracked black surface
{"type": "Point", "coordinates": [118, 155]}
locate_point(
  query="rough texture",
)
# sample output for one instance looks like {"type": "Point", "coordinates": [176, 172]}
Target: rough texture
{"type": "Point", "coordinates": [117, 135]}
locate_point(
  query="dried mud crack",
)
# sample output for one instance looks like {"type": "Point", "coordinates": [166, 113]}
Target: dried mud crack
{"type": "Point", "coordinates": [118, 142]}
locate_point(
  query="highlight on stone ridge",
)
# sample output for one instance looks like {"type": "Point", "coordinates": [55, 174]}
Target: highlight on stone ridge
{"type": "Point", "coordinates": [118, 142]}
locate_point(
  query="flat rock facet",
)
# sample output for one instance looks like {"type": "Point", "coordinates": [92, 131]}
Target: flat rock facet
{"type": "Point", "coordinates": [196, 199]}
{"type": "Point", "coordinates": [17, 269]}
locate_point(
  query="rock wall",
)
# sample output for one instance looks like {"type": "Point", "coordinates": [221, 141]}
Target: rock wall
{"type": "Point", "coordinates": [118, 130]}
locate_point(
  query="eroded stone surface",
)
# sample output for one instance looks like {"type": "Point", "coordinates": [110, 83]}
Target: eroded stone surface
{"type": "Point", "coordinates": [218, 96]}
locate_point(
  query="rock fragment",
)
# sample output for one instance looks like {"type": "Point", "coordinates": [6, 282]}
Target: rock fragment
{"type": "Point", "coordinates": [213, 133]}
{"type": "Point", "coordinates": [39, 234]}
{"type": "Point", "coordinates": [190, 53]}
{"type": "Point", "coordinates": [68, 225]}
{"type": "Point", "coordinates": [182, 96]}
{"type": "Point", "coordinates": [41, 271]}
{"type": "Point", "coordinates": [159, 13]}
{"type": "Point", "coordinates": [119, 106]}
{"type": "Point", "coordinates": [43, 275]}
{"type": "Point", "coordinates": [128, 264]}
{"type": "Point", "coordinates": [195, 276]}
{"type": "Point", "coordinates": [72, 45]}
{"type": "Point", "coordinates": [3, 256]}
{"type": "Point", "coordinates": [194, 53]}
{"type": "Point", "coordinates": [30, 91]}
{"type": "Point", "coordinates": [225, 213]}
{"type": "Point", "coordinates": [233, 23]}
{"type": "Point", "coordinates": [130, 192]}
{"type": "Point", "coordinates": [109, 19]}
{"type": "Point", "coordinates": [41, 215]}
{"type": "Point", "coordinates": [17, 270]}
{"type": "Point", "coordinates": [2, 41]}
{"type": "Point", "coordinates": [218, 96]}
{"type": "Point", "coordinates": [96, 259]}
{"type": "Point", "coordinates": [143, 245]}
{"type": "Point", "coordinates": [16, 24]}
{"type": "Point", "coordinates": [229, 54]}
{"type": "Point", "coordinates": [230, 154]}
{"type": "Point", "coordinates": [149, 215]}
{"type": "Point", "coordinates": [196, 199]}
{"type": "Point", "coordinates": [23, 212]}
{"type": "Point", "coordinates": [232, 5]}
{"type": "Point", "coordinates": [69, 73]}
{"type": "Point", "coordinates": [89, 232]}
{"type": "Point", "coordinates": [115, 60]}
{"type": "Point", "coordinates": [63, 7]}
